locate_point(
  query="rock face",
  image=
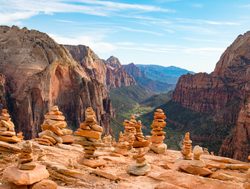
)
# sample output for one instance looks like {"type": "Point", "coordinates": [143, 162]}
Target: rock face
{"type": "Point", "coordinates": [225, 93]}
{"type": "Point", "coordinates": [116, 74]}
{"type": "Point", "coordinates": [110, 72]}
{"type": "Point", "coordinates": [37, 73]}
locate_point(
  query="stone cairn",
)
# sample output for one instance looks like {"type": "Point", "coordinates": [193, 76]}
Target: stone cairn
{"type": "Point", "coordinates": [158, 135]}
{"type": "Point", "coordinates": [89, 135]}
{"type": "Point", "coordinates": [139, 141]}
{"type": "Point", "coordinates": [122, 145]}
{"type": "Point", "coordinates": [130, 131]}
{"type": "Point", "coordinates": [54, 129]}
{"type": "Point", "coordinates": [25, 161]}
{"type": "Point", "coordinates": [27, 174]}
{"type": "Point", "coordinates": [187, 147]}
{"type": "Point", "coordinates": [141, 166]}
{"type": "Point", "coordinates": [197, 152]}
{"type": "Point", "coordinates": [107, 140]}
{"type": "Point", "coordinates": [7, 128]}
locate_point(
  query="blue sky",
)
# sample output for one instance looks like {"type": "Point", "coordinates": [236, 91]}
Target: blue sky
{"type": "Point", "coordinates": [190, 34]}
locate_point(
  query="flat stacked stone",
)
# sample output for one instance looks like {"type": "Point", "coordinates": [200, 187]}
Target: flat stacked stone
{"type": "Point", "coordinates": [130, 131]}
{"type": "Point", "coordinates": [139, 141]}
{"type": "Point", "coordinates": [54, 129]}
{"type": "Point", "coordinates": [27, 174]}
{"type": "Point", "coordinates": [107, 140]}
{"type": "Point", "coordinates": [187, 147]}
{"type": "Point", "coordinates": [158, 135]}
{"type": "Point", "coordinates": [89, 136]}
{"type": "Point", "coordinates": [25, 161]}
{"type": "Point", "coordinates": [7, 128]}
{"type": "Point", "coordinates": [141, 166]}
{"type": "Point", "coordinates": [122, 145]}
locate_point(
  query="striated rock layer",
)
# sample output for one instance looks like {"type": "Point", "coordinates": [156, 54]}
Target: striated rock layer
{"type": "Point", "coordinates": [109, 72]}
{"type": "Point", "coordinates": [37, 73]}
{"type": "Point", "coordinates": [225, 93]}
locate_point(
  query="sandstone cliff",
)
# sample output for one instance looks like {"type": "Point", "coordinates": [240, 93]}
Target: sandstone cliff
{"type": "Point", "coordinates": [225, 94]}
{"type": "Point", "coordinates": [116, 74]}
{"type": "Point", "coordinates": [110, 72]}
{"type": "Point", "coordinates": [40, 73]}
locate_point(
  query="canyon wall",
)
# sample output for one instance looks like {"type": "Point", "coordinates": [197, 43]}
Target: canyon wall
{"type": "Point", "coordinates": [225, 94]}
{"type": "Point", "coordinates": [39, 73]}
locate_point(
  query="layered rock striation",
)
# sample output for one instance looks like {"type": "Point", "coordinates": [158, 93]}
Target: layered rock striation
{"type": "Point", "coordinates": [224, 94]}
{"type": "Point", "coordinates": [37, 73]}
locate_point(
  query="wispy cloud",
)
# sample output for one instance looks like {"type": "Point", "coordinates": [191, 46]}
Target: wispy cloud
{"type": "Point", "coordinates": [15, 10]}
{"type": "Point", "coordinates": [95, 41]}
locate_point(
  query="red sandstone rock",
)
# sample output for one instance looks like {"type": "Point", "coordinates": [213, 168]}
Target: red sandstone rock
{"type": "Point", "coordinates": [216, 92]}
{"type": "Point", "coordinates": [37, 73]}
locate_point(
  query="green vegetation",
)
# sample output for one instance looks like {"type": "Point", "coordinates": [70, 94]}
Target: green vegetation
{"type": "Point", "coordinates": [204, 130]}
{"type": "Point", "coordinates": [133, 100]}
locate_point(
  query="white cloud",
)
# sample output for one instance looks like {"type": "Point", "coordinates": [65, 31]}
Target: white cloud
{"type": "Point", "coordinates": [16, 10]}
{"type": "Point", "coordinates": [95, 42]}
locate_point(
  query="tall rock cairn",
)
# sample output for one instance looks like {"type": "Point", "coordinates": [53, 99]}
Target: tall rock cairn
{"type": "Point", "coordinates": [187, 147]}
{"type": "Point", "coordinates": [129, 131]}
{"type": "Point", "coordinates": [121, 147]}
{"type": "Point", "coordinates": [54, 129]}
{"type": "Point", "coordinates": [141, 166]}
{"type": "Point", "coordinates": [139, 141]}
{"type": "Point", "coordinates": [89, 134]}
{"type": "Point", "coordinates": [158, 135]}
{"type": "Point", "coordinates": [7, 128]}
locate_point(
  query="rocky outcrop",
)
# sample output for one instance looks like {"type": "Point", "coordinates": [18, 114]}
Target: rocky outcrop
{"type": "Point", "coordinates": [40, 73]}
{"type": "Point", "coordinates": [110, 72]}
{"type": "Point", "coordinates": [90, 62]}
{"type": "Point", "coordinates": [224, 93]}
{"type": "Point", "coordinates": [116, 74]}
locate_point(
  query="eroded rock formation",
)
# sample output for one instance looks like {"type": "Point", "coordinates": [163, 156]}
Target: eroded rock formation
{"type": "Point", "coordinates": [37, 73]}
{"type": "Point", "coordinates": [224, 94]}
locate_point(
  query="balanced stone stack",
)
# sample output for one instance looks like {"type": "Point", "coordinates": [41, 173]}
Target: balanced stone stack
{"type": "Point", "coordinates": [139, 141]}
{"type": "Point", "coordinates": [130, 131]}
{"type": "Point", "coordinates": [25, 161]}
{"type": "Point", "coordinates": [122, 145]}
{"type": "Point", "coordinates": [158, 135]}
{"type": "Point", "coordinates": [28, 174]}
{"type": "Point", "coordinates": [141, 166]}
{"type": "Point", "coordinates": [187, 147]}
{"type": "Point", "coordinates": [89, 134]}
{"type": "Point", "coordinates": [107, 140]}
{"type": "Point", "coordinates": [7, 128]}
{"type": "Point", "coordinates": [54, 129]}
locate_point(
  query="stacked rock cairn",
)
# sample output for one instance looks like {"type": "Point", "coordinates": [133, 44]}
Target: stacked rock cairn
{"type": "Point", "coordinates": [187, 147]}
{"type": "Point", "coordinates": [89, 134]}
{"type": "Point", "coordinates": [27, 174]}
{"type": "Point", "coordinates": [141, 166]}
{"type": "Point", "coordinates": [140, 141]}
{"type": "Point", "coordinates": [7, 128]}
{"type": "Point", "coordinates": [121, 147]}
{"type": "Point", "coordinates": [158, 135]}
{"type": "Point", "coordinates": [129, 131]}
{"type": "Point", "coordinates": [54, 129]}
{"type": "Point", "coordinates": [25, 161]}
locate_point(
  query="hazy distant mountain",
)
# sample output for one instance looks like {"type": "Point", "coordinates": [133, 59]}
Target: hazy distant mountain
{"type": "Point", "coordinates": [163, 74]}
{"type": "Point", "coordinates": [155, 78]}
